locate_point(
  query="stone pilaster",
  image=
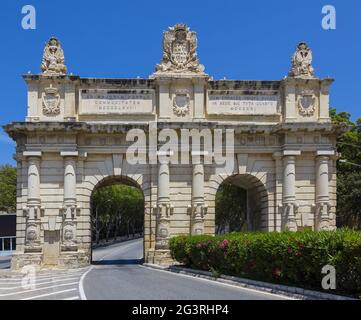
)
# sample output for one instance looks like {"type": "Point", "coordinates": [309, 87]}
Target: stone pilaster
{"type": "Point", "coordinates": [289, 190]}
{"type": "Point", "coordinates": [164, 99]}
{"type": "Point", "coordinates": [322, 216]}
{"type": "Point", "coordinates": [33, 207]}
{"type": "Point", "coordinates": [289, 109]}
{"type": "Point", "coordinates": [33, 112]}
{"type": "Point", "coordinates": [69, 101]}
{"type": "Point", "coordinates": [324, 114]}
{"type": "Point", "coordinates": [199, 84]}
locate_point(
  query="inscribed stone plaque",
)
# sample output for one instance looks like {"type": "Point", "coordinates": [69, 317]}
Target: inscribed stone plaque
{"type": "Point", "coordinates": [116, 102]}
{"type": "Point", "coordinates": [242, 104]}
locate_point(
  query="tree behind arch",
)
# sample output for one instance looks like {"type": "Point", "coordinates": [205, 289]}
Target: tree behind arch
{"type": "Point", "coordinates": [7, 188]}
{"type": "Point", "coordinates": [231, 208]}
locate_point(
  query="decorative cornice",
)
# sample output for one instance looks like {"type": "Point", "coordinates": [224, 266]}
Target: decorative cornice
{"type": "Point", "coordinates": [16, 129]}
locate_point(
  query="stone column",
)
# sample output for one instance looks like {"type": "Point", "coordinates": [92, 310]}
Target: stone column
{"type": "Point", "coordinates": [69, 181]}
{"type": "Point", "coordinates": [33, 208]}
{"type": "Point", "coordinates": [198, 207]}
{"type": "Point", "coordinates": [163, 183]}
{"type": "Point", "coordinates": [163, 206]}
{"type": "Point", "coordinates": [70, 203]}
{"type": "Point", "coordinates": [322, 190]}
{"type": "Point", "coordinates": [277, 156]}
{"type": "Point", "coordinates": [34, 180]}
{"type": "Point", "coordinates": [289, 190]}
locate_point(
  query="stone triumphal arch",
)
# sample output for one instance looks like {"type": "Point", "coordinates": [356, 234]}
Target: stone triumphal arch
{"type": "Point", "coordinates": [76, 136]}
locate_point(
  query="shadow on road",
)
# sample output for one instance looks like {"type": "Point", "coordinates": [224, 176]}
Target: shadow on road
{"type": "Point", "coordinates": [117, 262]}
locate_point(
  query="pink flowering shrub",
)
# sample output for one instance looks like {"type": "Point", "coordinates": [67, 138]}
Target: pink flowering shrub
{"type": "Point", "coordinates": [224, 244]}
{"type": "Point", "coordinates": [285, 257]}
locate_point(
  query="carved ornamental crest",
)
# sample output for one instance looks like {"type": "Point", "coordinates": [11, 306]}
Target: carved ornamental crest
{"type": "Point", "coordinates": [306, 103]}
{"type": "Point", "coordinates": [181, 104]}
{"type": "Point", "coordinates": [51, 101]}
{"type": "Point", "coordinates": [179, 51]}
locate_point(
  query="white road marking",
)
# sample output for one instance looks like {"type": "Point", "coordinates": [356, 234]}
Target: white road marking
{"type": "Point", "coordinates": [72, 298]}
{"type": "Point", "coordinates": [44, 277]}
{"type": "Point", "coordinates": [81, 284]}
{"type": "Point", "coordinates": [41, 283]}
{"type": "Point", "coordinates": [45, 281]}
{"type": "Point", "coordinates": [48, 294]}
{"type": "Point", "coordinates": [32, 290]}
{"type": "Point", "coordinates": [220, 283]}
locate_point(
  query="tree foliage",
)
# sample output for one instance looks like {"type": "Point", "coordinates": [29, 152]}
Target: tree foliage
{"type": "Point", "coordinates": [348, 174]}
{"type": "Point", "coordinates": [7, 188]}
{"type": "Point", "coordinates": [231, 206]}
{"type": "Point", "coordinates": [117, 210]}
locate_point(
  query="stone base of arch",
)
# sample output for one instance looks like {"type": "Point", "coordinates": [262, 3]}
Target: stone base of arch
{"type": "Point", "coordinates": [159, 257]}
{"type": "Point", "coordinates": [79, 259]}
{"type": "Point", "coordinates": [68, 260]}
{"type": "Point", "coordinates": [20, 260]}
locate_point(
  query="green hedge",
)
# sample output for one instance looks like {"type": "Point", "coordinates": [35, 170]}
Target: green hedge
{"type": "Point", "coordinates": [293, 258]}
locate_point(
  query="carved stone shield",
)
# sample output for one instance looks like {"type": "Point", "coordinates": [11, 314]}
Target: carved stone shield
{"type": "Point", "coordinates": [51, 101]}
{"type": "Point", "coordinates": [181, 104]}
{"type": "Point", "coordinates": [307, 105]}
{"type": "Point", "coordinates": [180, 52]}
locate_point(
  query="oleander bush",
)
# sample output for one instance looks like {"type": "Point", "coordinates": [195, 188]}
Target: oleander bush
{"type": "Point", "coordinates": [291, 258]}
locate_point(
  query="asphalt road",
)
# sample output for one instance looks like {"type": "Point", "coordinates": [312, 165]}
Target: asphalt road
{"type": "Point", "coordinates": [118, 274]}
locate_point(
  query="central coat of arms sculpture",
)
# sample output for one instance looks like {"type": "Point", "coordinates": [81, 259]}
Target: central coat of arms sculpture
{"type": "Point", "coordinates": [179, 52]}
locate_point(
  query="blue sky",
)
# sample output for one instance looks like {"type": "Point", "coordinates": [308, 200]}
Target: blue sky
{"type": "Point", "coordinates": [236, 39]}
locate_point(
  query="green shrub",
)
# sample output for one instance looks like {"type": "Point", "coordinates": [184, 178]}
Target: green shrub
{"type": "Point", "coordinates": [293, 258]}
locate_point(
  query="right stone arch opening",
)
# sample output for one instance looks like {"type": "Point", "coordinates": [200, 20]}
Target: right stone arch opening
{"type": "Point", "coordinates": [241, 205]}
